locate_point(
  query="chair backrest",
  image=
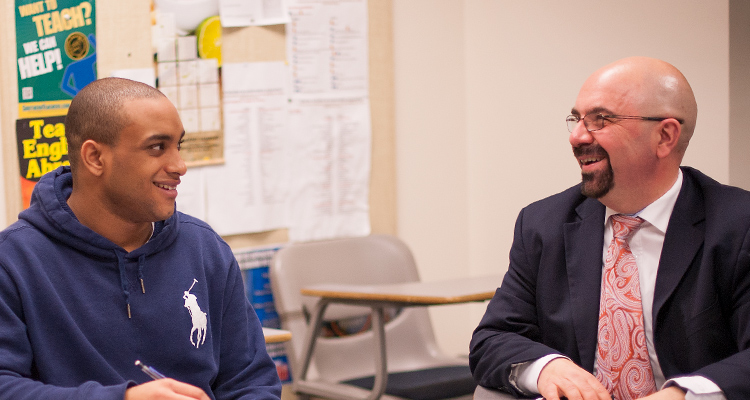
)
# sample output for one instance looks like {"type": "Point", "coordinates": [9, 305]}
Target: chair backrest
{"type": "Point", "coordinates": [375, 259]}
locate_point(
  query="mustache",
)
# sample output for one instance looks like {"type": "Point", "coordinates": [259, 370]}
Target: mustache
{"type": "Point", "coordinates": [590, 150]}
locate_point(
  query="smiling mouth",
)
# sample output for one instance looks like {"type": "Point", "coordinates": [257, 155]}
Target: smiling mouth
{"type": "Point", "coordinates": [589, 161]}
{"type": "Point", "coordinates": [167, 187]}
{"type": "Point", "coordinates": [589, 154]}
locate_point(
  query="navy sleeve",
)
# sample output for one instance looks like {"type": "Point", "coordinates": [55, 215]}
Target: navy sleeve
{"type": "Point", "coordinates": [16, 358]}
{"type": "Point", "coordinates": [509, 333]}
{"type": "Point", "coordinates": [731, 373]}
{"type": "Point", "coordinates": [246, 370]}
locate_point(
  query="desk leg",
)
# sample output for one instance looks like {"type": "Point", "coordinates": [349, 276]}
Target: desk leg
{"type": "Point", "coordinates": [381, 365]}
{"type": "Point", "coordinates": [312, 337]}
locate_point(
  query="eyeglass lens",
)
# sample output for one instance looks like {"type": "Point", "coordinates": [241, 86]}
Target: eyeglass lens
{"type": "Point", "coordinates": [592, 122]}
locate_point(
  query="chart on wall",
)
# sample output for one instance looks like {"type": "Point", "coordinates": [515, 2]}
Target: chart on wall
{"type": "Point", "coordinates": [56, 50]}
{"type": "Point", "coordinates": [56, 57]}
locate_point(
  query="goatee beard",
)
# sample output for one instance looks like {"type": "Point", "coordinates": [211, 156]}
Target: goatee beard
{"type": "Point", "coordinates": [596, 184]}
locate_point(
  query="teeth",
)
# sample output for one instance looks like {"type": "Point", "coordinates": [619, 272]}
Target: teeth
{"type": "Point", "coordinates": [589, 160]}
{"type": "Point", "coordinates": [165, 186]}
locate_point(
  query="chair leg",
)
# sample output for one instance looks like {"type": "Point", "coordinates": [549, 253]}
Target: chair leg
{"type": "Point", "coordinates": [312, 335]}
{"type": "Point", "coordinates": [381, 366]}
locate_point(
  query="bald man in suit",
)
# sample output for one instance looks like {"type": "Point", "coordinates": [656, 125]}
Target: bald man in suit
{"type": "Point", "coordinates": [629, 130]}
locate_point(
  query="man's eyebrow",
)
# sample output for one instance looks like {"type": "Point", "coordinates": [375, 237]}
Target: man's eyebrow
{"type": "Point", "coordinates": [595, 110]}
{"type": "Point", "coordinates": [162, 137]}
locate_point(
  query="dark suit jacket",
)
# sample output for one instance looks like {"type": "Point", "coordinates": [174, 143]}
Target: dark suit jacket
{"type": "Point", "coordinates": [549, 298]}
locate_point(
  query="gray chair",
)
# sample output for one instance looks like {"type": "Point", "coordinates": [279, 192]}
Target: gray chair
{"type": "Point", "coordinates": [344, 367]}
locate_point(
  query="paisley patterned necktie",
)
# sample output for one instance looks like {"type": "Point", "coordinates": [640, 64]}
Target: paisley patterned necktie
{"type": "Point", "coordinates": [622, 363]}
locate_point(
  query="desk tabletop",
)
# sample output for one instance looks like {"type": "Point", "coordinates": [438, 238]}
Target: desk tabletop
{"type": "Point", "coordinates": [276, 335]}
{"type": "Point", "coordinates": [452, 291]}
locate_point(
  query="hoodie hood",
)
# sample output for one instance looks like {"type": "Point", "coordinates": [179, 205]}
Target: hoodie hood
{"type": "Point", "coordinates": [49, 212]}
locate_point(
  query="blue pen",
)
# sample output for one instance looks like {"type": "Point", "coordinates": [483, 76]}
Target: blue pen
{"type": "Point", "coordinates": [150, 371]}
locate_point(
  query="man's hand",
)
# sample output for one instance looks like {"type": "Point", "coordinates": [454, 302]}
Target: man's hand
{"type": "Point", "coordinates": [165, 389]}
{"type": "Point", "coordinates": [562, 377]}
{"type": "Point", "coordinates": [670, 393]}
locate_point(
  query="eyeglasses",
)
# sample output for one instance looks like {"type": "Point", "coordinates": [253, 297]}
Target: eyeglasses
{"type": "Point", "coordinates": [594, 122]}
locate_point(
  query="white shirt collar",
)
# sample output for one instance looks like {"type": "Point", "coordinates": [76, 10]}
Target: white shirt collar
{"type": "Point", "coordinates": [658, 212]}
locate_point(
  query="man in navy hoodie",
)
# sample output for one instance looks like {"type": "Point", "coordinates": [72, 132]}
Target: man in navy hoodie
{"type": "Point", "coordinates": [100, 271]}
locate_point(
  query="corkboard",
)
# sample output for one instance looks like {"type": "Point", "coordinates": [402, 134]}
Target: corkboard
{"type": "Point", "coordinates": [124, 41]}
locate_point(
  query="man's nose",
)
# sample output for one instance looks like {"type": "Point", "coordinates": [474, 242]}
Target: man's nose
{"type": "Point", "coordinates": [580, 135]}
{"type": "Point", "coordinates": [177, 165]}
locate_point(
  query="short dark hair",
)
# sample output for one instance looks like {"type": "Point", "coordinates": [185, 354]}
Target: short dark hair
{"type": "Point", "coordinates": [96, 112]}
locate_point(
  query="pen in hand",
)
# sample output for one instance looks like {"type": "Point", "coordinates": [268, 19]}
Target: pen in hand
{"type": "Point", "coordinates": [150, 371]}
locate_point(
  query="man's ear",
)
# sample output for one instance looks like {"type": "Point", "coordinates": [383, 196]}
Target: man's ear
{"type": "Point", "coordinates": [669, 135]}
{"type": "Point", "coordinates": [93, 157]}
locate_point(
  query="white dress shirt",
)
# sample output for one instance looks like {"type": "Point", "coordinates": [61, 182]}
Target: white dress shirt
{"type": "Point", "coordinates": [646, 245]}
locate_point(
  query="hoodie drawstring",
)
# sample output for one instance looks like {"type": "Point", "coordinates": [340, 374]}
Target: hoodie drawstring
{"type": "Point", "coordinates": [141, 262]}
{"type": "Point", "coordinates": [123, 280]}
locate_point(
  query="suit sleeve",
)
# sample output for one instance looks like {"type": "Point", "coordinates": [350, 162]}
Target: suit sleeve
{"type": "Point", "coordinates": [509, 332]}
{"type": "Point", "coordinates": [731, 374]}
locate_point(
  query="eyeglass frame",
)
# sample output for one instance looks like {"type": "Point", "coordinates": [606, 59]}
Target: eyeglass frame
{"type": "Point", "coordinates": [613, 116]}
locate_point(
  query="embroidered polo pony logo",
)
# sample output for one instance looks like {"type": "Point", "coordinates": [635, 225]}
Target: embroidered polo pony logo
{"type": "Point", "coordinates": [197, 315]}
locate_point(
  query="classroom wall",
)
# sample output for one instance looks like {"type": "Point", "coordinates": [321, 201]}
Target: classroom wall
{"type": "Point", "coordinates": [124, 41]}
{"type": "Point", "coordinates": [482, 91]}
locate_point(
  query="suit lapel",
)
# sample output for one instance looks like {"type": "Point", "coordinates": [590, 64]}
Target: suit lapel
{"type": "Point", "coordinates": [584, 243]}
{"type": "Point", "coordinates": [684, 238]}
{"type": "Point", "coordinates": [583, 257]}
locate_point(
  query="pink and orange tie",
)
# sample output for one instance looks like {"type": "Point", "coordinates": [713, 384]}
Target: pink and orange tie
{"type": "Point", "coordinates": [622, 361]}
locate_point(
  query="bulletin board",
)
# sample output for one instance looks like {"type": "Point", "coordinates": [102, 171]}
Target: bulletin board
{"type": "Point", "coordinates": [123, 30]}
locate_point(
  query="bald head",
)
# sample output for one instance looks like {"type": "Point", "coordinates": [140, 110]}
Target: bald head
{"type": "Point", "coordinates": [97, 113]}
{"type": "Point", "coordinates": [649, 87]}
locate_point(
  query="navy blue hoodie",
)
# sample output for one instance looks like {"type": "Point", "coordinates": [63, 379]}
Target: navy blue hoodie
{"type": "Point", "coordinates": [65, 292]}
